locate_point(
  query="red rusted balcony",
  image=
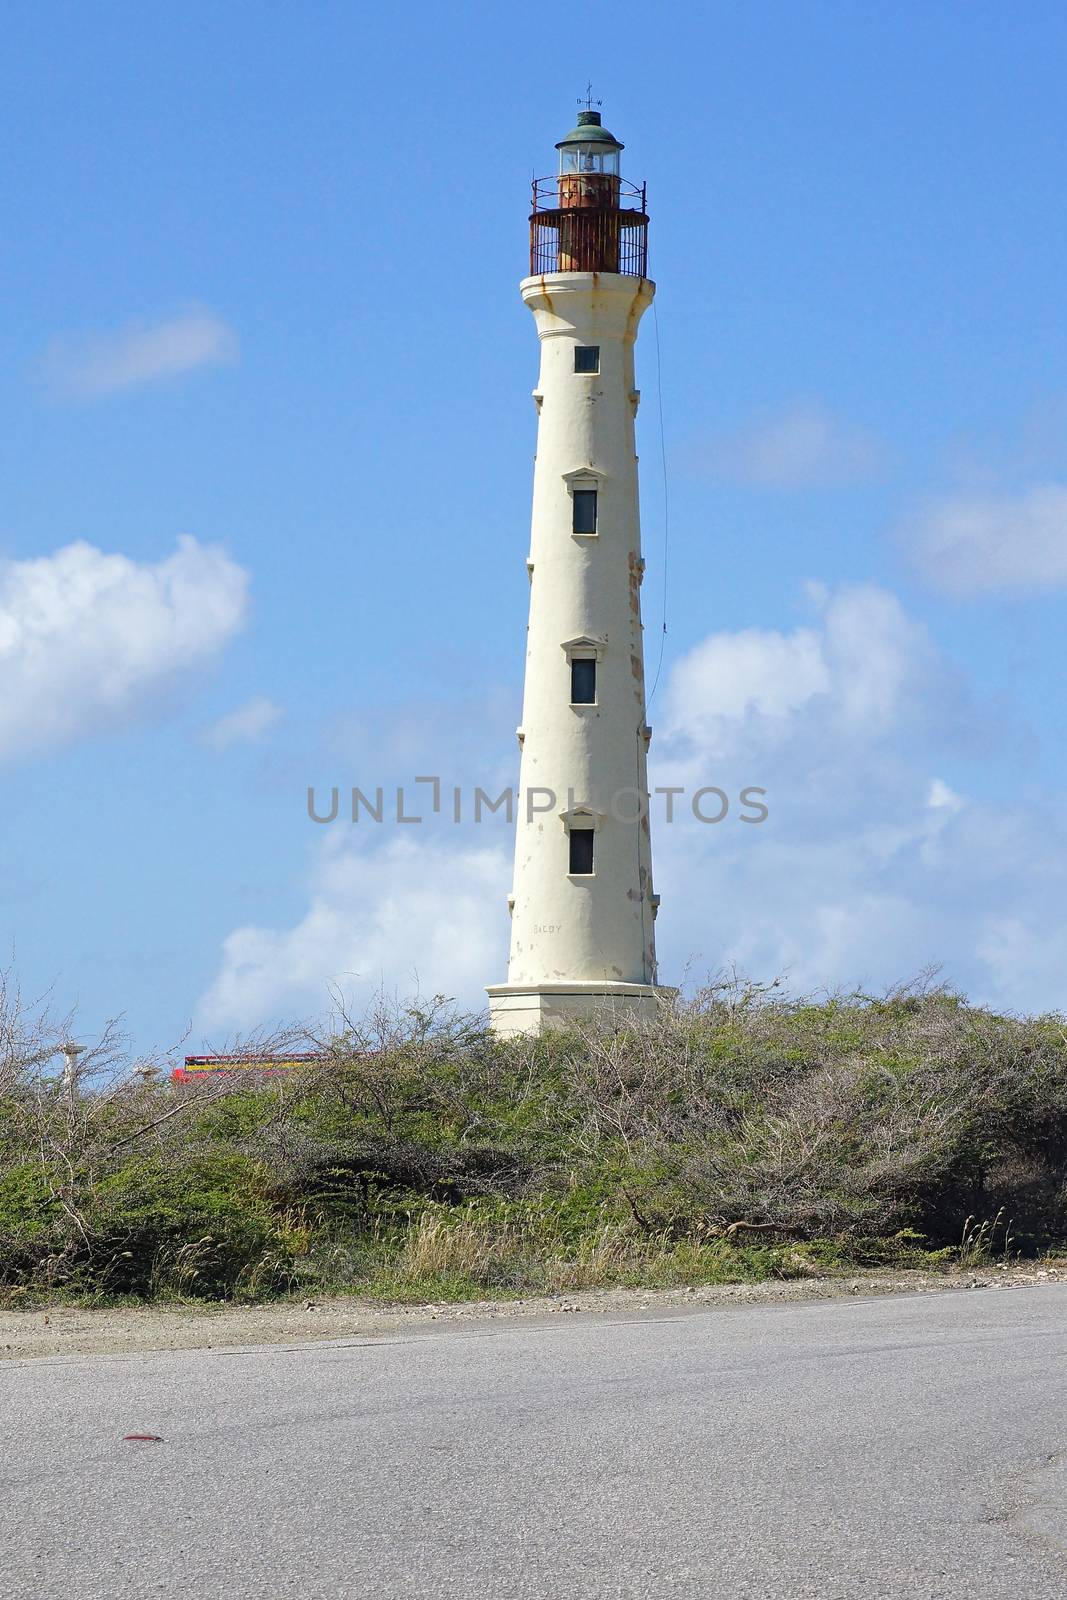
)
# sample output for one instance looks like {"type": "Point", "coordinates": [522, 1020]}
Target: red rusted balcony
{"type": "Point", "coordinates": [588, 222]}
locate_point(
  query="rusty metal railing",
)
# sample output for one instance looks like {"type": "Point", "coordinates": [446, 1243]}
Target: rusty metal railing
{"type": "Point", "coordinates": [587, 188]}
{"type": "Point", "coordinates": [591, 222]}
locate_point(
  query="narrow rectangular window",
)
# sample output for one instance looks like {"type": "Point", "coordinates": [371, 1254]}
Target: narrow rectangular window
{"type": "Point", "coordinates": [584, 510]}
{"type": "Point", "coordinates": [583, 682]}
{"type": "Point", "coordinates": [587, 358]}
{"type": "Point", "coordinates": [581, 851]}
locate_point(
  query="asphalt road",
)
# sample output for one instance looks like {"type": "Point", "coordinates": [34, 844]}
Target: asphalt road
{"type": "Point", "coordinates": [913, 1446]}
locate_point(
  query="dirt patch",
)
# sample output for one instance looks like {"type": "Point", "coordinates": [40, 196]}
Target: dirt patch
{"type": "Point", "coordinates": [64, 1330]}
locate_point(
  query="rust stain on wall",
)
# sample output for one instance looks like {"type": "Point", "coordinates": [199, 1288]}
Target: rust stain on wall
{"type": "Point", "coordinates": [635, 584]}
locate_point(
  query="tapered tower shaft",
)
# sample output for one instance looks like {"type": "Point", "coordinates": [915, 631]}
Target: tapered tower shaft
{"type": "Point", "coordinates": [582, 903]}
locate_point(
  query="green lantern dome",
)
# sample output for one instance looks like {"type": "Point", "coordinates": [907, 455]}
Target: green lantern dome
{"type": "Point", "coordinates": [590, 132]}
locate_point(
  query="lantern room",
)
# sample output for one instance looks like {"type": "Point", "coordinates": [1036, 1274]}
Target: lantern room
{"type": "Point", "coordinates": [587, 218]}
{"type": "Point", "coordinates": [589, 165]}
{"type": "Point", "coordinates": [589, 150]}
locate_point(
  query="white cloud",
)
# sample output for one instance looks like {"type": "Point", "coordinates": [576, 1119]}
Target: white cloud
{"type": "Point", "coordinates": [870, 866]}
{"type": "Point", "coordinates": [88, 365]}
{"type": "Point", "coordinates": [87, 640]}
{"type": "Point", "coordinates": [404, 913]}
{"type": "Point", "coordinates": [804, 447]}
{"type": "Point", "coordinates": [942, 798]}
{"type": "Point", "coordinates": [969, 544]}
{"type": "Point", "coordinates": [1028, 966]}
{"type": "Point", "coordinates": [860, 665]}
{"type": "Point", "coordinates": [730, 675]}
{"type": "Point", "coordinates": [244, 725]}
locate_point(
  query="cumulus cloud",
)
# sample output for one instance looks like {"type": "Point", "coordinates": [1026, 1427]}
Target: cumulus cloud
{"type": "Point", "coordinates": [804, 447]}
{"type": "Point", "coordinates": [85, 366]}
{"type": "Point", "coordinates": [87, 639]}
{"type": "Point", "coordinates": [870, 865]}
{"type": "Point", "coordinates": [398, 914]}
{"type": "Point", "coordinates": [971, 544]}
{"type": "Point", "coordinates": [858, 670]}
{"type": "Point", "coordinates": [244, 725]}
{"type": "Point", "coordinates": [851, 899]}
{"type": "Point", "coordinates": [730, 675]}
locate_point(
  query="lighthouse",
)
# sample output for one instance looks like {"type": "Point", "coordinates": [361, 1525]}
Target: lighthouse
{"type": "Point", "coordinates": [582, 905]}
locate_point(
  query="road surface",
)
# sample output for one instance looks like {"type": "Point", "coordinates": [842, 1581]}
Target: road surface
{"type": "Point", "coordinates": [914, 1446]}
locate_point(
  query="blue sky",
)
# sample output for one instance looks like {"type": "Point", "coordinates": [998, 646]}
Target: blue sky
{"type": "Point", "coordinates": [265, 472]}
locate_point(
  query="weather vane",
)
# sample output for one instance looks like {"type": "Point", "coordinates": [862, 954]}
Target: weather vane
{"type": "Point", "coordinates": [589, 102]}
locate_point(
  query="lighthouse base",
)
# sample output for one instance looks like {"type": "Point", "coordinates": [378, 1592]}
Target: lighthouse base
{"type": "Point", "coordinates": [521, 1008]}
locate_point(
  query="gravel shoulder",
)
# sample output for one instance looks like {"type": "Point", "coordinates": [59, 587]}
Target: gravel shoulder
{"type": "Point", "coordinates": [63, 1330]}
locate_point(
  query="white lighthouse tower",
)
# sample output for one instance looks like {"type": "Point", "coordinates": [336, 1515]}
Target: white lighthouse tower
{"type": "Point", "coordinates": [582, 906]}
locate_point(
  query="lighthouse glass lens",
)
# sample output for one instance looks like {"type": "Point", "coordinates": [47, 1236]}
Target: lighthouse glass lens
{"type": "Point", "coordinates": [588, 158]}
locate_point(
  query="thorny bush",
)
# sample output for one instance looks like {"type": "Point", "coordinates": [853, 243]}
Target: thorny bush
{"type": "Point", "coordinates": [738, 1118]}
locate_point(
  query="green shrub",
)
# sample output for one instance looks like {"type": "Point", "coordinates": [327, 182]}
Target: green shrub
{"type": "Point", "coordinates": [740, 1134]}
{"type": "Point", "coordinates": [201, 1227]}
